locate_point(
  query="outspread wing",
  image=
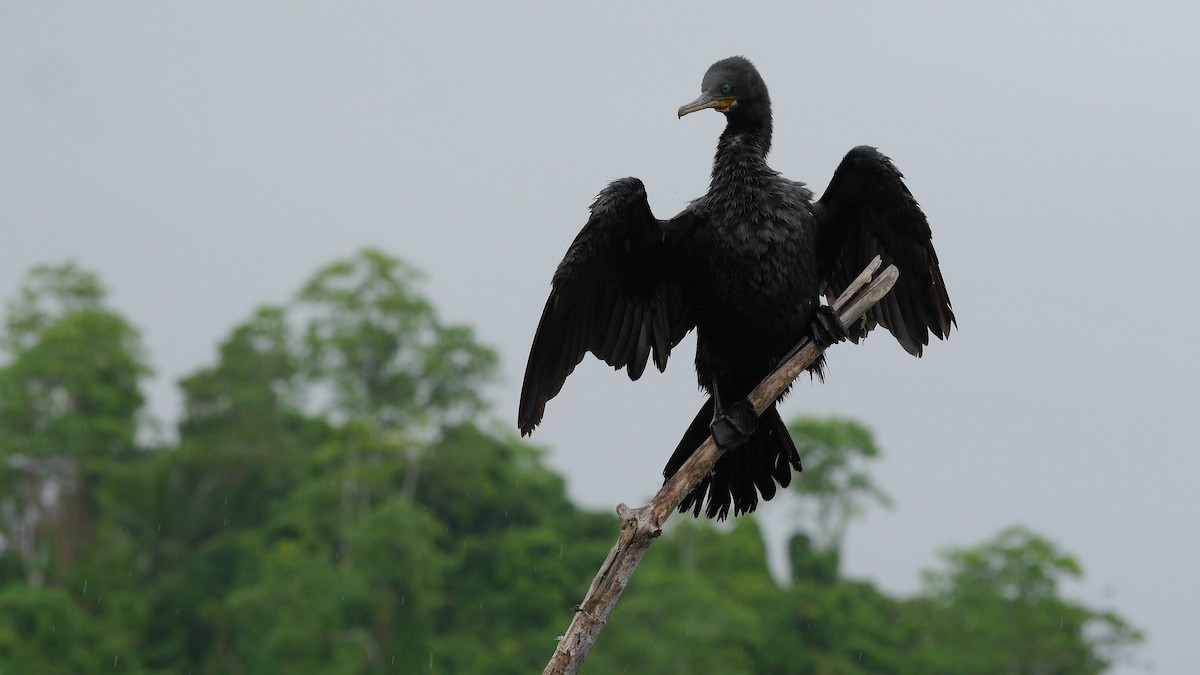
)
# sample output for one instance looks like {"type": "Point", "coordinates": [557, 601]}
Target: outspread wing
{"type": "Point", "coordinates": [867, 211]}
{"type": "Point", "coordinates": [621, 292]}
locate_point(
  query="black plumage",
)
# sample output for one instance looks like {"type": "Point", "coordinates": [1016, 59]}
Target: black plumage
{"type": "Point", "coordinates": [745, 266]}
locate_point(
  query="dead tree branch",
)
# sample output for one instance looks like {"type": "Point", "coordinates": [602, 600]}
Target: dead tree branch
{"type": "Point", "coordinates": [640, 526]}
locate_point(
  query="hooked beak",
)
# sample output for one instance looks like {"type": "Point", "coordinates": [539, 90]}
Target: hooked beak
{"type": "Point", "coordinates": [708, 100]}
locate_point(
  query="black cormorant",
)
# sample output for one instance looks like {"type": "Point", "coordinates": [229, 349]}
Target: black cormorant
{"type": "Point", "coordinates": [744, 265]}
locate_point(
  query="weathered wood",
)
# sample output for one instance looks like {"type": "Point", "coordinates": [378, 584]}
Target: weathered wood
{"type": "Point", "coordinates": [640, 526]}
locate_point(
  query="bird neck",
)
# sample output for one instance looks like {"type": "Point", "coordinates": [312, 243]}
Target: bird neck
{"type": "Point", "coordinates": [742, 152]}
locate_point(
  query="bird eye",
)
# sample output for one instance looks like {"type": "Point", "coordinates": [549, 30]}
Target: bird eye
{"type": "Point", "coordinates": [725, 89]}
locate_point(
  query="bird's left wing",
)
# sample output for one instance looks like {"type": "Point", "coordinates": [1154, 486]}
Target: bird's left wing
{"type": "Point", "coordinates": [867, 211]}
{"type": "Point", "coordinates": [621, 292]}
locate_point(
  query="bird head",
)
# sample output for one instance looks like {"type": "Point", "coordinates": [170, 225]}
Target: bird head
{"type": "Point", "coordinates": [733, 87]}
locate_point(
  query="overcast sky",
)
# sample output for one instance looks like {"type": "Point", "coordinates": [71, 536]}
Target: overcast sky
{"type": "Point", "coordinates": [205, 159]}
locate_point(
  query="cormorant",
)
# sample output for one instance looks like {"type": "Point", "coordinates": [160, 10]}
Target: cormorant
{"type": "Point", "coordinates": [744, 265]}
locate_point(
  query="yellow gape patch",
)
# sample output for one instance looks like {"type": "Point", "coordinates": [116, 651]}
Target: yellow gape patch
{"type": "Point", "coordinates": [724, 103]}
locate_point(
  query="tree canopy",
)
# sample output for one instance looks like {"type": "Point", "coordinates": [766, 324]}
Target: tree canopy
{"type": "Point", "coordinates": [338, 501]}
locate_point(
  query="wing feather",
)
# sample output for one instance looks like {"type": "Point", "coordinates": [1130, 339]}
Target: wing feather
{"type": "Point", "coordinates": [868, 211]}
{"type": "Point", "coordinates": [660, 335]}
{"type": "Point", "coordinates": [620, 292]}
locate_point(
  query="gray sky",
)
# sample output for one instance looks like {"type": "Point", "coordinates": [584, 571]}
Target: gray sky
{"type": "Point", "coordinates": [206, 159]}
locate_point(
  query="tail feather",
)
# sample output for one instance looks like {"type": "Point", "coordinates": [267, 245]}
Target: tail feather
{"type": "Point", "coordinates": [740, 475]}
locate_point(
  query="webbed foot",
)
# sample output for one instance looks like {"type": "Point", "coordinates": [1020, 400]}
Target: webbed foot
{"type": "Point", "coordinates": [733, 426]}
{"type": "Point", "coordinates": [826, 327]}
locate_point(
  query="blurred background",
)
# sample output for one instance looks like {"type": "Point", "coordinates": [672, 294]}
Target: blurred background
{"type": "Point", "coordinates": [229, 395]}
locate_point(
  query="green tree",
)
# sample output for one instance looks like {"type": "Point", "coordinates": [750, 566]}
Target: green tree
{"type": "Point", "coordinates": [381, 351]}
{"type": "Point", "coordinates": [253, 395]}
{"type": "Point", "coordinates": [835, 486]}
{"type": "Point", "coordinates": [302, 614]}
{"type": "Point", "coordinates": [70, 399]}
{"type": "Point", "coordinates": [69, 402]}
{"type": "Point", "coordinates": [520, 555]}
{"type": "Point", "coordinates": [48, 293]}
{"type": "Point", "coordinates": [71, 386]}
{"type": "Point", "coordinates": [43, 630]}
{"type": "Point", "coordinates": [1002, 599]}
{"type": "Point", "coordinates": [301, 463]}
{"type": "Point", "coordinates": [385, 366]}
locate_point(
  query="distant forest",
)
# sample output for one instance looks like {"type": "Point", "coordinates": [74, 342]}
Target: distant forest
{"type": "Point", "coordinates": [338, 500]}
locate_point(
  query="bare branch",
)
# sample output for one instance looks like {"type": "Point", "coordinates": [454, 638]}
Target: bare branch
{"type": "Point", "coordinates": [640, 526]}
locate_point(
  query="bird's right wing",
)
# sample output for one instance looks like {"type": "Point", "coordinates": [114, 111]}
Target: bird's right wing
{"type": "Point", "coordinates": [620, 292]}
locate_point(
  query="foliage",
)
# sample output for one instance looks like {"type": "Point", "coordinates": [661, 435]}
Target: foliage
{"type": "Point", "coordinates": [836, 487]}
{"type": "Point", "coordinates": [69, 402]}
{"type": "Point", "coordinates": [334, 504]}
{"type": "Point", "coordinates": [380, 349]}
{"type": "Point", "coordinates": [44, 630]}
{"type": "Point", "coordinates": [679, 613]}
{"type": "Point", "coordinates": [48, 293]}
{"type": "Point", "coordinates": [1003, 596]}
{"type": "Point", "coordinates": [71, 385]}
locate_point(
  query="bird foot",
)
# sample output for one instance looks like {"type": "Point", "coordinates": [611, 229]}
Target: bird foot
{"type": "Point", "coordinates": [826, 327]}
{"type": "Point", "coordinates": [733, 426]}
